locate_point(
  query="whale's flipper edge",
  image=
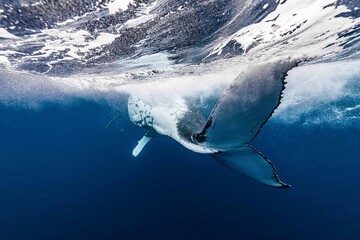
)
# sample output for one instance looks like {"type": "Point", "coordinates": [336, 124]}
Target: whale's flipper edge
{"type": "Point", "coordinates": [245, 106]}
{"type": "Point", "coordinates": [141, 144]}
{"type": "Point", "coordinates": [251, 163]}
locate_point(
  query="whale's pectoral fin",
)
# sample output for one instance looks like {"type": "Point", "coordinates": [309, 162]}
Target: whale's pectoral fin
{"type": "Point", "coordinates": [245, 106]}
{"type": "Point", "coordinates": [251, 163]}
{"type": "Point", "coordinates": [141, 144]}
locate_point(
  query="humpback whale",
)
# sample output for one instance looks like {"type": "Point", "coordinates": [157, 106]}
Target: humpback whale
{"type": "Point", "coordinates": [235, 120]}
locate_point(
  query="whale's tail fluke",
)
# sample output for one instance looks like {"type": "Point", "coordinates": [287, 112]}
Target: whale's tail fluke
{"type": "Point", "coordinates": [251, 163]}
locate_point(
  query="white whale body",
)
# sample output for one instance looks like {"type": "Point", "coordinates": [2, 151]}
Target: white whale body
{"type": "Point", "coordinates": [233, 123]}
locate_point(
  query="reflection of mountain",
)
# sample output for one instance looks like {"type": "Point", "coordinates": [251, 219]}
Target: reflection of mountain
{"type": "Point", "coordinates": [72, 34]}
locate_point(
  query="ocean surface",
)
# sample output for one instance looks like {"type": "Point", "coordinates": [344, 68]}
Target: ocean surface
{"type": "Point", "coordinates": [68, 68]}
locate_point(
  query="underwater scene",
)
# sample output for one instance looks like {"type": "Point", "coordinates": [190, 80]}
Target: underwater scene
{"type": "Point", "coordinates": [175, 119]}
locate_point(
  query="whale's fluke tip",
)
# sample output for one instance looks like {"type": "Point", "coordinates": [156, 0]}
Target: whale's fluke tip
{"type": "Point", "coordinates": [251, 163]}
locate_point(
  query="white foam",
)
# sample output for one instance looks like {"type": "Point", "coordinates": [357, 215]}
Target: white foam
{"type": "Point", "coordinates": [166, 89]}
{"type": "Point", "coordinates": [118, 5]}
{"type": "Point", "coordinates": [150, 61]}
{"type": "Point", "coordinates": [4, 61]}
{"type": "Point", "coordinates": [5, 34]}
{"type": "Point", "coordinates": [142, 16]}
{"type": "Point", "coordinates": [74, 42]}
{"type": "Point", "coordinates": [313, 93]}
{"type": "Point", "coordinates": [102, 39]}
{"type": "Point", "coordinates": [68, 21]}
{"type": "Point", "coordinates": [305, 26]}
{"type": "Point", "coordinates": [57, 40]}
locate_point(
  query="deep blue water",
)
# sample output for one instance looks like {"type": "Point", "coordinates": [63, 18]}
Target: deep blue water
{"type": "Point", "coordinates": [62, 176]}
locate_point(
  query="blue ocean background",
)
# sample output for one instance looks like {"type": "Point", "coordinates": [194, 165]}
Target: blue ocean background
{"type": "Point", "coordinates": [65, 67]}
{"type": "Point", "coordinates": [62, 176]}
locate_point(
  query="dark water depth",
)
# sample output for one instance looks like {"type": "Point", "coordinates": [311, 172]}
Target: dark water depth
{"type": "Point", "coordinates": [62, 176]}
